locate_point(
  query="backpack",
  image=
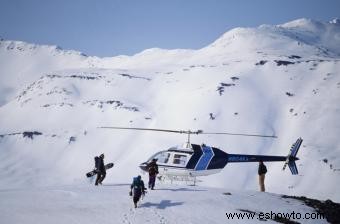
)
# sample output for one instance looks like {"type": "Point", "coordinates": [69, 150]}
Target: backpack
{"type": "Point", "coordinates": [136, 184]}
{"type": "Point", "coordinates": [137, 187]}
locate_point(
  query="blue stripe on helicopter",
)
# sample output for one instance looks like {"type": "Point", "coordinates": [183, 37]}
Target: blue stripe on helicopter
{"type": "Point", "coordinates": [203, 162]}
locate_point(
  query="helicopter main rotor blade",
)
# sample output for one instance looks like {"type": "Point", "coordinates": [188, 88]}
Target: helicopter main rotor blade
{"type": "Point", "coordinates": [191, 132]}
{"type": "Point", "coordinates": [152, 129]}
{"type": "Point", "coordinates": [239, 134]}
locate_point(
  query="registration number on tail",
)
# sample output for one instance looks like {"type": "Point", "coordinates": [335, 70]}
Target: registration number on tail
{"type": "Point", "coordinates": [238, 159]}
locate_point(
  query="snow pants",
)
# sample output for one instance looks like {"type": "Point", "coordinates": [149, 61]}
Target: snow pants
{"type": "Point", "coordinates": [152, 180]}
{"type": "Point", "coordinates": [100, 177]}
{"type": "Point", "coordinates": [261, 182]}
{"type": "Point", "coordinates": [137, 193]}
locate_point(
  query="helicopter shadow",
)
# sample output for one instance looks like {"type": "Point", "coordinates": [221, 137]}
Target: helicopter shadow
{"type": "Point", "coordinates": [162, 204]}
{"type": "Point", "coordinates": [179, 189]}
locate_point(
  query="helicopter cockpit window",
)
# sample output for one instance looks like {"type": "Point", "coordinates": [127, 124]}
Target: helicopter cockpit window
{"type": "Point", "coordinates": [180, 159]}
{"type": "Point", "coordinates": [162, 157]}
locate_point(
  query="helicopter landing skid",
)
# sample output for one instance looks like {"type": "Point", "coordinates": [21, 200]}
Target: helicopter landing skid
{"type": "Point", "coordinates": [189, 180]}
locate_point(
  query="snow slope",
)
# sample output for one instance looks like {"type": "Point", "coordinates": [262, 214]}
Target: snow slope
{"type": "Point", "coordinates": [168, 204]}
{"type": "Point", "coordinates": [281, 80]}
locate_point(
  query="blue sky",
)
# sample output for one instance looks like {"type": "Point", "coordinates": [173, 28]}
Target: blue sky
{"type": "Point", "coordinates": [114, 27]}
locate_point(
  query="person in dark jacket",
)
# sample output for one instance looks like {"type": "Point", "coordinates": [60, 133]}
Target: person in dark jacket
{"type": "Point", "coordinates": [137, 189]}
{"type": "Point", "coordinates": [153, 171]}
{"type": "Point", "coordinates": [262, 173]}
{"type": "Point", "coordinates": [100, 167]}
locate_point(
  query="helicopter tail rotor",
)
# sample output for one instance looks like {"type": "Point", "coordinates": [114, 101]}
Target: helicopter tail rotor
{"type": "Point", "coordinates": [291, 158]}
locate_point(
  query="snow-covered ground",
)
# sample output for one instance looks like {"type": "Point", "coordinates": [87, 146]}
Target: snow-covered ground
{"type": "Point", "coordinates": [110, 203]}
{"type": "Point", "coordinates": [282, 80]}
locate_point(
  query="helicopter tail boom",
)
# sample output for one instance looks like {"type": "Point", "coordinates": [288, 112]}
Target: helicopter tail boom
{"type": "Point", "coordinates": [289, 160]}
{"type": "Point", "coordinates": [210, 158]}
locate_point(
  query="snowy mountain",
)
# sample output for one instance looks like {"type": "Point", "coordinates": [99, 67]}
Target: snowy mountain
{"type": "Point", "coordinates": [273, 79]}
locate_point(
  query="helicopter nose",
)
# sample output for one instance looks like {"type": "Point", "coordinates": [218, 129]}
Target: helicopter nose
{"type": "Point", "coordinates": [143, 166]}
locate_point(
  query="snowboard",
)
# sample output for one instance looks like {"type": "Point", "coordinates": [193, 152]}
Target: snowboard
{"type": "Point", "coordinates": [94, 172]}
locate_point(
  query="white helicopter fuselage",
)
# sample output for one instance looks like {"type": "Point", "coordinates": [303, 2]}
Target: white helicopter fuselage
{"type": "Point", "coordinates": [174, 162]}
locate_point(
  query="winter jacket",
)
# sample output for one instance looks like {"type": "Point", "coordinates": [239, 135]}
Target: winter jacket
{"type": "Point", "coordinates": [262, 169]}
{"type": "Point", "coordinates": [99, 163]}
{"type": "Point", "coordinates": [152, 168]}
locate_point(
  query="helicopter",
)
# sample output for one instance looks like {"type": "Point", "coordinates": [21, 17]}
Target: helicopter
{"type": "Point", "coordinates": [193, 160]}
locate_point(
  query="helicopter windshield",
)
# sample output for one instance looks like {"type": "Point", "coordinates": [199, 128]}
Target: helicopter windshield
{"type": "Point", "coordinates": [162, 157]}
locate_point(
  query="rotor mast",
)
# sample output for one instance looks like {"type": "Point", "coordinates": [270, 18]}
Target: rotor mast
{"type": "Point", "coordinates": [188, 142]}
{"type": "Point", "coordinates": [189, 132]}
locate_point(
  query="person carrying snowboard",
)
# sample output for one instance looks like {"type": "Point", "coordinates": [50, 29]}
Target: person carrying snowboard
{"type": "Point", "coordinates": [137, 189]}
{"type": "Point", "coordinates": [153, 171]}
{"type": "Point", "coordinates": [99, 164]}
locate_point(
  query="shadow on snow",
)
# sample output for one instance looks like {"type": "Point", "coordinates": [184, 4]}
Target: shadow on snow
{"type": "Point", "coordinates": [162, 205]}
{"type": "Point", "coordinates": [179, 189]}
